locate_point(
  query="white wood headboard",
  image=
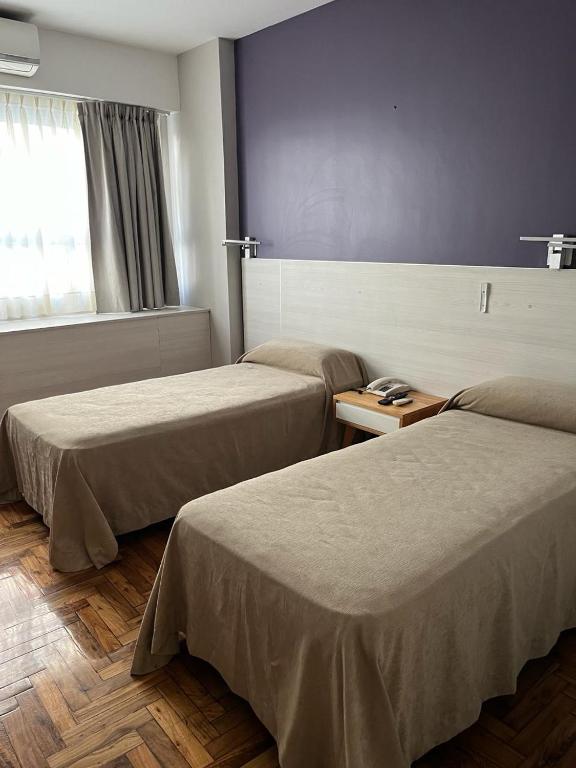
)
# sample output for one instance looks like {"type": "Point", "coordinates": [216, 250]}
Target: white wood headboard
{"type": "Point", "coordinates": [421, 322]}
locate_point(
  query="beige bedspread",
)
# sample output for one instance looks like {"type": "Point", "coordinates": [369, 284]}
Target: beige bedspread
{"type": "Point", "coordinates": [100, 463]}
{"type": "Point", "coordinates": [366, 602]}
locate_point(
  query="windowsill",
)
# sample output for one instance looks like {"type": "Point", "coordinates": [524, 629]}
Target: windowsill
{"type": "Point", "coordinates": [59, 321]}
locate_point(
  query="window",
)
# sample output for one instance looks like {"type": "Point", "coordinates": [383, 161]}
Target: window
{"type": "Point", "coordinates": [45, 264]}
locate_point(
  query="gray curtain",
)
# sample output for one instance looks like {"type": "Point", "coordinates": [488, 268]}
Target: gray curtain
{"type": "Point", "coordinates": [132, 255]}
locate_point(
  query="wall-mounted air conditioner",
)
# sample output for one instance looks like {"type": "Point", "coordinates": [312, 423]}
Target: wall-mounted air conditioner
{"type": "Point", "coordinates": [19, 48]}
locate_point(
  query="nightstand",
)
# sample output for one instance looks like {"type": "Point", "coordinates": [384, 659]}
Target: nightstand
{"type": "Point", "coordinates": [360, 410]}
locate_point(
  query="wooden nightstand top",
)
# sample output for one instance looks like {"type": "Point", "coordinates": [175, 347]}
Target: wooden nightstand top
{"type": "Point", "coordinates": [423, 406]}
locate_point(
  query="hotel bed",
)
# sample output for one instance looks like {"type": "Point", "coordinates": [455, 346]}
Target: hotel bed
{"type": "Point", "coordinates": [368, 601]}
{"type": "Point", "coordinates": [100, 463]}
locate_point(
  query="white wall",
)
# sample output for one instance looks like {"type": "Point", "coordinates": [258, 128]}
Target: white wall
{"type": "Point", "coordinates": [204, 178]}
{"type": "Point", "coordinates": [80, 66]}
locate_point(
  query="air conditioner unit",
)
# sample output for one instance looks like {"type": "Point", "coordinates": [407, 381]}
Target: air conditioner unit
{"type": "Point", "coordinates": [19, 48]}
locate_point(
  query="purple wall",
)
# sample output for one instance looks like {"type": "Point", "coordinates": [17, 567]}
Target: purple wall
{"type": "Point", "coordinates": [410, 130]}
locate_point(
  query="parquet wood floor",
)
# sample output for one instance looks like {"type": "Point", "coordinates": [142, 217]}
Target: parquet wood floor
{"type": "Point", "coordinates": [67, 699]}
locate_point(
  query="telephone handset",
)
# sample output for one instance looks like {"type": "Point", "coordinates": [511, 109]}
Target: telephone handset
{"type": "Point", "coordinates": [388, 387]}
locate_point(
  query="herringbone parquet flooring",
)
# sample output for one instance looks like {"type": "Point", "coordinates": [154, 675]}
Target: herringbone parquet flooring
{"type": "Point", "coordinates": [67, 699]}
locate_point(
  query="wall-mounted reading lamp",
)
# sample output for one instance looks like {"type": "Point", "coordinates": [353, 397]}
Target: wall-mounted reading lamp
{"type": "Point", "coordinates": [248, 245]}
{"type": "Point", "coordinates": [559, 249]}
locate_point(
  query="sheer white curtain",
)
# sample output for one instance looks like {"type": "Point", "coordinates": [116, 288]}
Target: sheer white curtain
{"type": "Point", "coordinates": [45, 264]}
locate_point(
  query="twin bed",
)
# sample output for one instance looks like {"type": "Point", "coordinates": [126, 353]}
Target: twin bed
{"type": "Point", "coordinates": [366, 601]}
{"type": "Point", "coordinates": [105, 462]}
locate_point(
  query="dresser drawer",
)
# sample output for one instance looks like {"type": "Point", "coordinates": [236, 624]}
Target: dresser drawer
{"type": "Point", "coordinates": [367, 419]}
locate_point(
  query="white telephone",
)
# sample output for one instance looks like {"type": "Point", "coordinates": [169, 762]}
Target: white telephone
{"type": "Point", "coordinates": [388, 386]}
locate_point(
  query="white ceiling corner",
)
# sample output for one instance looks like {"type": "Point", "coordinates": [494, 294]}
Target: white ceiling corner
{"type": "Point", "coordinates": [173, 26]}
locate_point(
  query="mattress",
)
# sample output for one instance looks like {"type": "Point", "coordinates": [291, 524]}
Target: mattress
{"type": "Point", "coordinates": [368, 601]}
{"type": "Point", "coordinates": [100, 463]}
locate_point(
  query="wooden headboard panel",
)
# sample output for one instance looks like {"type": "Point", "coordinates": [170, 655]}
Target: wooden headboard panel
{"type": "Point", "coordinates": [421, 322]}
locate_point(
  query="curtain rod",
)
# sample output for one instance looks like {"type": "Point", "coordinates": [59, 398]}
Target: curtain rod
{"type": "Point", "coordinates": [76, 99]}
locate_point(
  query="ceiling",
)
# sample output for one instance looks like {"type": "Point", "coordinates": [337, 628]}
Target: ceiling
{"type": "Point", "coordinates": [168, 25]}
